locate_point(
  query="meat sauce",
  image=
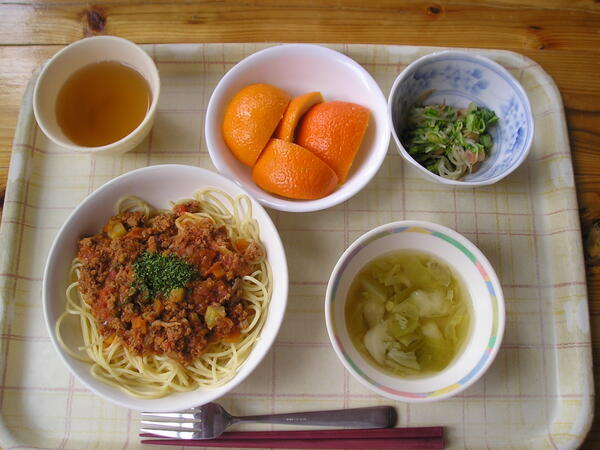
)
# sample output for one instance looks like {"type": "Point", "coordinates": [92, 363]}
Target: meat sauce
{"type": "Point", "coordinates": [179, 324]}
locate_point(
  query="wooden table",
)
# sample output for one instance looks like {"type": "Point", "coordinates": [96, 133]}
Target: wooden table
{"type": "Point", "coordinates": [561, 35]}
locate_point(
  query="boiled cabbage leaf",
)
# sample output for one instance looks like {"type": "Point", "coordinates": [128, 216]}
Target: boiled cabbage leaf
{"type": "Point", "coordinates": [373, 312]}
{"type": "Point", "coordinates": [399, 325]}
{"type": "Point", "coordinates": [376, 341]}
{"type": "Point", "coordinates": [406, 359]}
{"type": "Point", "coordinates": [458, 314]}
{"type": "Point", "coordinates": [430, 303]}
{"type": "Point", "coordinates": [373, 289]}
{"type": "Point", "coordinates": [441, 273]}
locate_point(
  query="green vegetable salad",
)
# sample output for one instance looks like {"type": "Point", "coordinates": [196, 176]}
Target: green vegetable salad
{"type": "Point", "coordinates": [447, 141]}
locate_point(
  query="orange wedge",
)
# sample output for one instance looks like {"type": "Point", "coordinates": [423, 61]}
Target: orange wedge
{"type": "Point", "coordinates": [289, 170]}
{"type": "Point", "coordinates": [251, 118]}
{"type": "Point", "coordinates": [334, 131]}
{"type": "Point", "coordinates": [295, 110]}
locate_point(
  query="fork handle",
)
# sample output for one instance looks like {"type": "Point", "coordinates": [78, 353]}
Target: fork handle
{"type": "Point", "coordinates": [369, 417]}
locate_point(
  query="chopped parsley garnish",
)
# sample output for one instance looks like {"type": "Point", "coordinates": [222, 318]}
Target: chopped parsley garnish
{"type": "Point", "coordinates": [159, 274]}
{"type": "Point", "coordinates": [447, 141]}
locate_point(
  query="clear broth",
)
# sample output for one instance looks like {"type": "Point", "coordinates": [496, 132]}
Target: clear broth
{"type": "Point", "coordinates": [102, 103]}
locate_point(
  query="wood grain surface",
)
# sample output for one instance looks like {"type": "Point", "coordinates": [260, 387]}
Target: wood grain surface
{"type": "Point", "coordinates": [563, 36]}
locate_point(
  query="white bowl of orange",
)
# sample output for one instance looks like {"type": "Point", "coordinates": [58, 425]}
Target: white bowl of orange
{"type": "Point", "coordinates": [301, 127]}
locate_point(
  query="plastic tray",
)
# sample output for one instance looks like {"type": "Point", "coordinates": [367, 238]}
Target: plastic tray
{"type": "Point", "coordinates": [537, 394]}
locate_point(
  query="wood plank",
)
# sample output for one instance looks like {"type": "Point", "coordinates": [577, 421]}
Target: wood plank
{"type": "Point", "coordinates": [588, 5]}
{"type": "Point", "coordinates": [451, 24]}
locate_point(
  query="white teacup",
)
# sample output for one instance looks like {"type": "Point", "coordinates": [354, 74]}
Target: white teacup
{"type": "Point", "coordinates": [72, 58]}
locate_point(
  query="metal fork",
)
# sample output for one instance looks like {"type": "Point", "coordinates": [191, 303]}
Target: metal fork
{"type": "Point", "coordinates": [210, 420]}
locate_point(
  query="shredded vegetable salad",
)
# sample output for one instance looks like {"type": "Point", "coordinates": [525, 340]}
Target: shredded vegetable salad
{"type": "Point", "coordinates": [447, 141]}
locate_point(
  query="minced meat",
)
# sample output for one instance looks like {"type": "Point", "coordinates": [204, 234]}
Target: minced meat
{"type": "Point", "coordinates": [171, 324]}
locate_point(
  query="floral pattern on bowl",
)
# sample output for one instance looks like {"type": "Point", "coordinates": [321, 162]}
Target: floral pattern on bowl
{"type": "Point", "coordinates": [459, 78]}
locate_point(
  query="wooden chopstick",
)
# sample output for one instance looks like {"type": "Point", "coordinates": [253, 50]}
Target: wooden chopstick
{"type": "Point", "coordinates": [417, 443]}
{"type": "Point", "coordinates": [367, 433]}
{"type": "Point", "coordinates": [400, 438]}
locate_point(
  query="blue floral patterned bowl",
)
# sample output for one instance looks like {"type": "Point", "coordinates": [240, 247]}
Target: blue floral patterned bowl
{"type": "Point", "coordinates": [458, 78]}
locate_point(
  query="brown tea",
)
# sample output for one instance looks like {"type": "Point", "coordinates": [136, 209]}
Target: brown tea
{"type": "Point", "coordinates": [102, 103]}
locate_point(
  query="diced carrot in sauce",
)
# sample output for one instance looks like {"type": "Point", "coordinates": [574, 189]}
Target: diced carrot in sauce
{"type": "Point", "coordinates": [135, 233]}
{"type": "Point", "coordinates": [217, 270]}
{"type": "Point", "coordinates": [108, 340]}
{"type": "Point", "coordinates": [180, 209]}
{"type": "Point", "coordinates": [242, 244]}
{"type": "Point", "coordinates": [233, 337]}
{"type": "Point", "coordinates": [138, 322]}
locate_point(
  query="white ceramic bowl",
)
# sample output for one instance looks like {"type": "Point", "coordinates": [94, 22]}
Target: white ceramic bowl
{"type": "Point", "coordinates": [298, 69]}
{"type": "Point", "coordinates": [157, 185]}
{"type": "Point", "coordinates": [458, 78]}
{"type": "Point", "coordinates": [81, 53]}
{"type": "Point", "coordinates": [487, 320]}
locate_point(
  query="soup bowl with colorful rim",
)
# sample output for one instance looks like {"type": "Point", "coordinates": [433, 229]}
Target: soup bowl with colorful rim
{"type": "Point", "coordinates": [472, 271]}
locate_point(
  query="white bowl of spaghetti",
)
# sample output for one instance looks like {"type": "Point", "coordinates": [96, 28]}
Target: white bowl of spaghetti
{"type": "Point", "coordinates": [165, 288]}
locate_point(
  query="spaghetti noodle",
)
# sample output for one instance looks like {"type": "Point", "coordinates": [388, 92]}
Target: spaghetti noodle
{"type": "Point", "coordinates": [152, 374]}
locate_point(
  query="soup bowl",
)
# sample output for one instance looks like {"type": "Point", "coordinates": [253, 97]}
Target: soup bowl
{"type": "Point", "coordinates": [478, 278]}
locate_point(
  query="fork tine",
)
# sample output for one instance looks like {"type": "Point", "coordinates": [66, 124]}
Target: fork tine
{"type": "Point", "coordinates": [171, 416]}
{"type": "Point", "coordinates": [169, 434]}
{"type": "Point", "coordinates": [171, 426]}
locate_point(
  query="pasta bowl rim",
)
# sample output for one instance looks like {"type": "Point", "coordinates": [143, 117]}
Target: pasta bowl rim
{"type": "Point", "coordinates": [376, 379]}
{"type": "Point", "coordinates": [475, 57]}
{"type": "Point", "coordinates": [54, 302]}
